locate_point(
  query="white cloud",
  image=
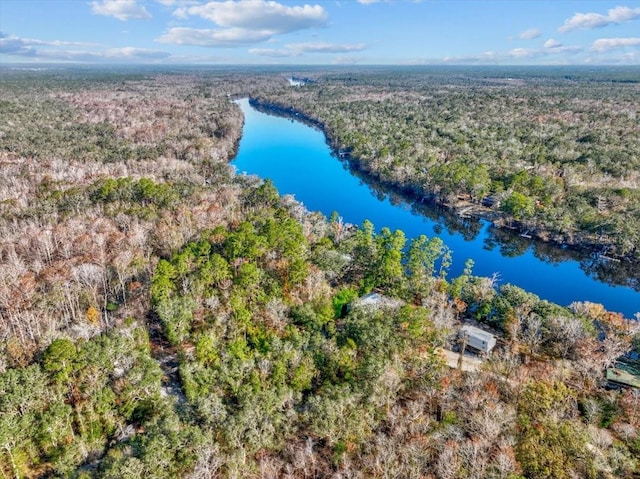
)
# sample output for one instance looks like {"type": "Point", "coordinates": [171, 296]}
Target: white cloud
{"type": "Point", "coordinates": [558, 53]}
{"type": "Point", "coordinates": [274, 52]}
{"type": "Point", "coordinates": [551, 43]}
{"type": "Point", "coordinates": [180, 13]}
{"type": "Point", "coordinates": [243, 22]}
{"type": "Point", "coordinates": [112, 55]}
{"type": "Point", "coordinates": [16, 46]}
{"type": "Point", "coordinates": [12, 45]}
{"type": "Point", "coordinates": [260, 15]}
{"type": "Point", "coordinates": [530, 34]}
{"type": "Point", "coordinates": [322, 47]}
{"type": "Point", "coordinates": [135, 53]}
{"type": "Point", "coordinates": [596, 20]}
{"type": "Point", "coordinates": [606, 44]}
{"type": "Point", "coordinates": [121, 9]}
{"type": "Point", "coordinates": [488, 57]}
{"type": "Point", "coordinates": [298, 49]}
{"type": "Point", "coordinates": [229, 37]}
{"type": "Point", "coordinates": [524, 53]}
{"type": "Point", "coordinates": [50, 50]}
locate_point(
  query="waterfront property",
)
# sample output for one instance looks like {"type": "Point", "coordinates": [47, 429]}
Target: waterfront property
{"type": "Point", "coordinates": [622, 376]}
{"type": "Point", "coordinates": [299, 161]}
{"type": "Point", "coordinates": [478, 339]}
{"type": "Point", "coordinates": [377, 301]}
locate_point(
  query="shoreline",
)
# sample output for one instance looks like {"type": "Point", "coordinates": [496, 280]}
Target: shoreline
{"type": "Point", "coordinates": [462, 207]}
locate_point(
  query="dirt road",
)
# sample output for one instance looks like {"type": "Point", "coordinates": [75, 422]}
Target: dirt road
{"type": "Point", "coordinates": [469, 363]}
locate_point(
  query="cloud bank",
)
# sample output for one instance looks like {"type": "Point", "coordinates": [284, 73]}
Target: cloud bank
{"type": "Point", "coordinates": [51, 51]}
{"type": "Point", "coordinates": [228, 38]}
{"type": "Point", "coordinates": [243, 22]}
{"type": "Point", "coordinates": [597, 20]}
{"type": "Point", "coordinates": [260, 15]}
{"type": "Point", "coordinates": [298, 49]}
{"type": "Point", "coordinates": [551, 50]}
{"type": "Point", "coordinates": [605, 44]}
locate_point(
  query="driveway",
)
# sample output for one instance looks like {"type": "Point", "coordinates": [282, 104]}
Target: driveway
{"type": "Point", "coordinates": [469, 363]}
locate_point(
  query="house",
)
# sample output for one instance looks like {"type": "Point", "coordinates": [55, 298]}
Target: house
{"type": "Point", "coordinates": [622, 376]}
{"type": "Point", "coordinates": [376, 301]}
{"type": "Point", "coordinates": [478, 339]}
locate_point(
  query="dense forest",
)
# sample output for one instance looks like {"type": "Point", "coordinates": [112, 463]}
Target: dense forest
{"type": "Point", "coordinates": [163, 317]}
{"type": "Point", "coordinates": [552, 153]}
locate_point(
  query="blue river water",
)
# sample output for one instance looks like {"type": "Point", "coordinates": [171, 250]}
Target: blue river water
{"type": "Point", "coordinates": [298, 160]}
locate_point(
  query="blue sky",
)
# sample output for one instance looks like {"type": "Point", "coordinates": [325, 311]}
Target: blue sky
{"type": "Point", "coordinates": [517, 32]}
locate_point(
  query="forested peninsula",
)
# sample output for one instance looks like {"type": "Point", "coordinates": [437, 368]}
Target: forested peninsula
{"type": "Point", "coordinates": [162, 316]}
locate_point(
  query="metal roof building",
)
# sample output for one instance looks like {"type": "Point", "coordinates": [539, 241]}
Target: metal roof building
{"type": "Point", "coordinates": [478, 339]}
{"type": "Point", "coordinates": [375, 301]}
{"type": "Point", "coordinates": [623, 375]}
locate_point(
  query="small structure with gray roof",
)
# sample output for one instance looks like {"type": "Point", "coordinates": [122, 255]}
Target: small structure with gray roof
{"type": "Point", "coordinates": [478, 339]}
{"type": "Point", "coordinates": [376, 301]}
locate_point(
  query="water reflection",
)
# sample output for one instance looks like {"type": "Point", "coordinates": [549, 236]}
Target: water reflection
{"type": "Point", "coordinates": [509, 243]}
{"type": "Point", "coordinates": [443, 219]}
{"type": "Point", "coordinates": [300, 162]}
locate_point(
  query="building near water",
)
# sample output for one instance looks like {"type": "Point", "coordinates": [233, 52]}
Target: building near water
{"type": "Point", "coordinates": [478, 339]}
{"type": "Point", "coordinates": [376, 301]}
{"type": "Point", "coordinates": [622, 375]}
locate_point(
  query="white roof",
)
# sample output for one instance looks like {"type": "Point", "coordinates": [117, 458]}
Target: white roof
{"type": "Point", "coordinates": [477, 332]}
{"type": "Point", "coordinates": [379, 300]}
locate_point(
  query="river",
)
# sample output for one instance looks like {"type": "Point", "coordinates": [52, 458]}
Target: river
{"type": "Point", "coordinates": [298, 160]}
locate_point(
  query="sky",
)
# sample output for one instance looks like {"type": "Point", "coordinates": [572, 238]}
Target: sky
{"type": "Point", "coordinates": [320, 32]}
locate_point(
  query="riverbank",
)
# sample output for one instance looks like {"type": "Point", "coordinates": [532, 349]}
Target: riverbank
{"type": "Point", "coordinates": [582, 242]}
{"type": "Point", "coordinates": [299, 162]}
